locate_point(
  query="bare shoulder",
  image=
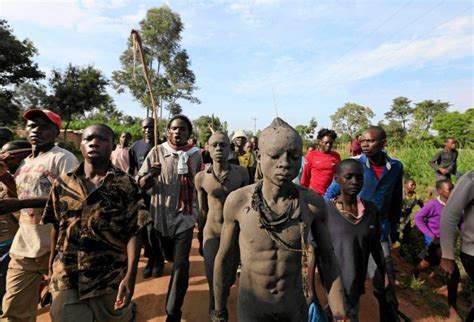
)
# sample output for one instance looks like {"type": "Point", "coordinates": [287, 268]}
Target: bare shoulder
{"type": "Point", "coordinates": [199, 179]}
{"type": "Point", "coordinates": [238, 199]}
{"type": "Point", "coordinates": [314, 201]}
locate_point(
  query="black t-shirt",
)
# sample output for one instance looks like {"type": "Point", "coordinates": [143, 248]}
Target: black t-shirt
{"type": "Point", "coordinates": [137, 154]}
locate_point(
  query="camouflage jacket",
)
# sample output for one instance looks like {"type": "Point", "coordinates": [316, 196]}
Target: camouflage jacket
{"type": "Point", "coordinates": [93, 231]}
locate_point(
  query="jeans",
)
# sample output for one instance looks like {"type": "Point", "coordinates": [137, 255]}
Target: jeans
{"type": "Point", "coordinates": [177, 250]}
{"type": "Point", "coordinates": [4, 260]}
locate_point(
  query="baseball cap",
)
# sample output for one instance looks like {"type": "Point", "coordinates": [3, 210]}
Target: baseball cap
{"type": "Point", "coordinates": [239, 134]}
{"type": "Point", "coordinates": [50, 115]}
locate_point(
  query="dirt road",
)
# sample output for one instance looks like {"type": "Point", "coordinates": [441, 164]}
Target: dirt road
{"type": "Point", "coordinates": [150, 296]}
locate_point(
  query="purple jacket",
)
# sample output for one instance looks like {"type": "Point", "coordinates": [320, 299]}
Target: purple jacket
{"type": "Point", "coordinates": [428, 219]}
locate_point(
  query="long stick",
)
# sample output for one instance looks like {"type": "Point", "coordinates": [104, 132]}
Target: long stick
{"type": "Point", "coordinates": [137, 43]}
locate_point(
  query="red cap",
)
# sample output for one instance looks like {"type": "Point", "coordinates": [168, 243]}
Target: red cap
{"type": "Point", "coordinates": [50, 115]}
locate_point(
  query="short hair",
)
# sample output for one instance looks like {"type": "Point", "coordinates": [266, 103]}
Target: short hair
{"type": "Point", "coordinates": [449, 138]}
{"type": "Point", "coordinates": [410, 180]}
{"type": "Point", "coordinates": [181, 117]}
{"type": "Point", "coordinates": [127, 134]}
{"type": "Point", "coordinates": [442, 182]}
{"type": "Point", "coordinates": [379, 129]}
{"type": "Point", "coordinates": [106, 128]}
{"type": "Point", "coordinates": [348, 162]}
{"type": "Point", "coordinates": [326, 132]}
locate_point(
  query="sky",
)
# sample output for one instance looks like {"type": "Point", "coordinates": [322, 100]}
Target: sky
{"type": "Point", "coordinates": [258, 59]}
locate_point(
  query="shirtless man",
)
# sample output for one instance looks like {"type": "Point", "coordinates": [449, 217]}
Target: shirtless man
{"type": "Point", "coordinates": [213, 187]}
{"type": "Point", "coordinates": [269, 221]}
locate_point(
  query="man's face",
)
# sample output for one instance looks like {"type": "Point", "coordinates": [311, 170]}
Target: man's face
{"type": "Point", "coordinates": [240, 141]}
{"type": "Point", "coordinates": [96, 144]}
{"type": "Point", "coordinates": [326, 143]}
{"type": "Point", "coordinates": [371, 143]}
{"type": "Point", "coordinates": [124, 140]}
{"type": "Point", "coordinates": [351, 179]}
{"type": "Point", "coordinates": [148, 130]}
{"type": "Point", "coordinates": [411, 186]}
{"type": "Point", "coordinates": [254, 141]}
{"type": "Point", "coordinates": [219, 147]}
{"type": "Point", "coordinates": [450, 144]}
{"type": "Point", "coordinates": [178, 133]}
{"type": "Point", "coordinates": [445, 190]}
{"type": "Point", "coordinates": [280, 156]}
{"type": "Point", "coordinates": [40, 132]}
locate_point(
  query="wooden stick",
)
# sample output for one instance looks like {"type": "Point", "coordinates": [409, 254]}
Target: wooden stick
{"type": "Point", "coordinates": [137, 41]}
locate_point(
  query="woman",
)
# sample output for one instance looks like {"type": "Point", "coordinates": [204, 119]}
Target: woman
{"type": "Point", "coordinates": [320, 165]}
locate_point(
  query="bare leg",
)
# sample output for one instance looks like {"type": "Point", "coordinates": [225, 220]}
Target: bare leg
{"type": "Point", "coordinates": [211, 246]}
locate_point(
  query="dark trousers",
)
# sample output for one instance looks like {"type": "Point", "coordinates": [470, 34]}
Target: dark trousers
{"type": "Point", "coordinates": [468, 263]}
{"type": "Point", "coordinates": [176, 250]}
{"type": "Point", "coordinates": [152, 246]}
{"type": "Point", "coordinates": [4, 260]}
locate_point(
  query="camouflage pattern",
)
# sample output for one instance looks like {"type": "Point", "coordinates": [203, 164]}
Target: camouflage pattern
{"type": "Point", "coordinates": [93, 231]}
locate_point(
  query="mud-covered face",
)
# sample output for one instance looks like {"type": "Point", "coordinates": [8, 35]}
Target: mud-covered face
{"type": "Point", "coordinates": [350, 179]}
{"type": "Point", "coordinates": [178, 132]}
{"type": "Point", "coordinates": [96, 144]}
{"type": "Point", "coordinates": [219, 147]}
{"type": "Point", "coordinates": [280, 155]}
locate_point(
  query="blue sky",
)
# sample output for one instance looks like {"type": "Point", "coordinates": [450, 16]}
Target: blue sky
{"type": "Point", "coordinates": [257, 58]}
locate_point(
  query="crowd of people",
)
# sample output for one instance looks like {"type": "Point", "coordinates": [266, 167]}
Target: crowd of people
{"type": "Point", "coordinates": [265, 214]}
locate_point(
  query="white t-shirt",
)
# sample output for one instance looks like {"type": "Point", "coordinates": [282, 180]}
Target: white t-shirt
{"type": "Point", "coordinates": [34, 178]}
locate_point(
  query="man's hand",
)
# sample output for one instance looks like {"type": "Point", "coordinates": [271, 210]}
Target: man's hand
{"type": "Point", "coordinates": [443, 171]}
{"type": "Point", "coordinates": [125, 293]}
{"type": "Point", "coordinates": [3, 168]}
{"type": "Point", "coordinates": [155, 169]}
{"type": "Point", "coordinates": [447, 266]}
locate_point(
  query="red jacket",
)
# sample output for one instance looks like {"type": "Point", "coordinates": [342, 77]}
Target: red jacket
{"type": "Point", "coordinates": [319, 169]}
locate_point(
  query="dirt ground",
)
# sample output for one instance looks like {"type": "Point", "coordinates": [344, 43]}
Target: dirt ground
{"type": "Point", "coordinates": [150, 296]}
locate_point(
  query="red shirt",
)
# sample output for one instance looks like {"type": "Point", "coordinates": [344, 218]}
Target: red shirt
{"type": "Point", "coordinates": [319, 169]}
{"type": "Point", "coordinates": [378, 169]}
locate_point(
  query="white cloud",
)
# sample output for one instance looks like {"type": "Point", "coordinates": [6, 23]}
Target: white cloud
{"type": "Point", "coordinates": [80, 15]}
{"type": "Point", "coordinates": [459, 24]}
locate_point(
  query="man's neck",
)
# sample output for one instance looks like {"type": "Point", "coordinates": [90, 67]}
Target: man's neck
{"type": "Point", "coordinates": [96, 169]}
{"type": "Point", "coordinates": [36, 150]}
{"type": "Point", "coordinates": [378, 159]}
{"type": "Point", "coordinates": [220, 166]}
{"type": "Point", "coordinates": [271, 191]}
{"type": "Point", "coordinates": [348, 200]}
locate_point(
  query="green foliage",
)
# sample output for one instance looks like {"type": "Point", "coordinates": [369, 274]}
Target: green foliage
{"type": "Point", "coordinates": [168, 64]}
{"type": "Point", "coordinates": [423, 116]}
{"type": "Point", "coordinates": [351, 118]}
{"type": "Point", "coordinates": [16, 67]}
{"type": "Point", "coordinates": [395, 132]}
{"type": "Point", "coordinates": [202, 125]}
{"type": "Point", "coordinates": [307, 131]}
{"type": "Point", "coordinates": [78, 90]}
{"type": "Point", "coordinates": [400, 111]}
{"type": "Point", "coordinates": [455, 124]}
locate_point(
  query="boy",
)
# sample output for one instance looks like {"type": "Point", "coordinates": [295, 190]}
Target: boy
{"type": "Point", "coordinates": [428, 221]}
{"type": "Point", "coordinates": [354, 226]}
{"type": "Point", "coordinates": [444, 162]}
{"type": "Point", "coordinates": [97, 213]}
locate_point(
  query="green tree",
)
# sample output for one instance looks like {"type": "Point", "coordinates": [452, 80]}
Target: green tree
{"type": "Point", "coordinates": [395, 132]}
{"type": "Point", "coordinates": [168, 64]}
{"type": "Point", "coordinates": [16, 67]}
{"type": "Point", "coordinates": [307, 131]}
{"type": "Point", "coordinates": [455, 124]}
{"type": "Point", "coordinates": [202, 126]}
{"type": "Point", "coordinates": [400, 111]}
{"type": "Point", "coordinates": [351, 118]}
{"type": "Point", "coordinates": [29, 95]}
{"type": "Point", "coordinates": [423, 116]}
{"type": "Point", "coordinates": [78, 90]}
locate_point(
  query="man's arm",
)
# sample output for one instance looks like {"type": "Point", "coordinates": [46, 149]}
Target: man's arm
{"type": "Point", "coordinates": [396, 202]}
{"type": "Point", "coordinates": [434, 161]}
{"type": "Point", "coordinates": [150, 169]}
{"type": "Point", "coordinates": [12, 204]}
{"type": "Point", "coordinates": [460, 198]}
{"type": "Point", "coordinates": [333, 191]}
{"type": "Point", "coordinates": [127, 285]}
{"type": "Point", "coordinates": [330, 272]}
{"type": "Point", "coordinates": [9, 181]}
{"type": "Point", "coordinates": [421, 218]}
{"type": "Point", "coordinates": [203, 208]}
{"type": "Point", "coordinates": [306, 174]}
{"type": "Point", "coordinates": [228, 247]}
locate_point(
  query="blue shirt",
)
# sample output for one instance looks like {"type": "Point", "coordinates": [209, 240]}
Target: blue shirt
{"type": "Point", "coordinates": [385, 193]}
